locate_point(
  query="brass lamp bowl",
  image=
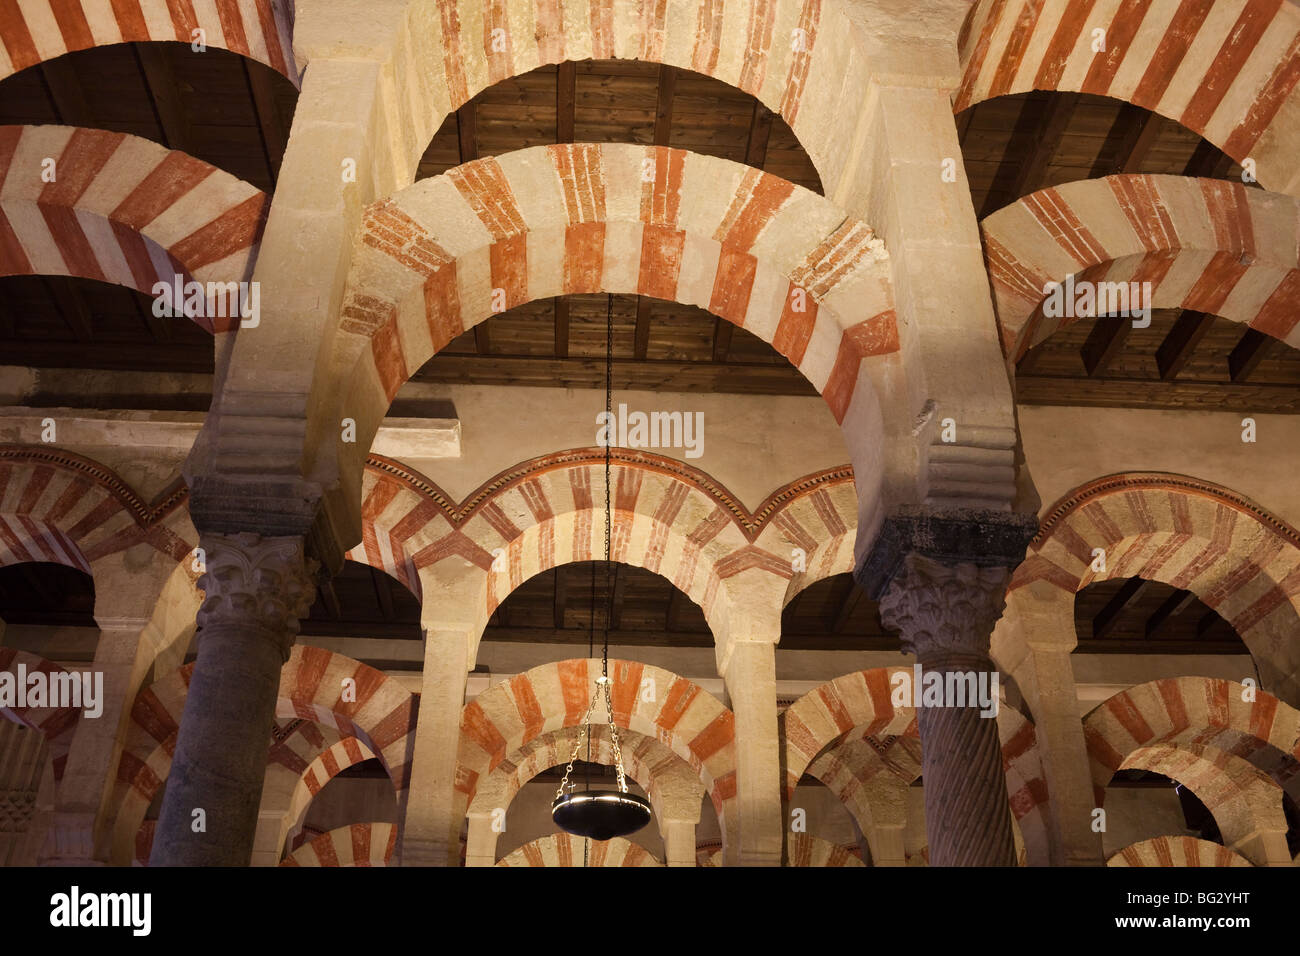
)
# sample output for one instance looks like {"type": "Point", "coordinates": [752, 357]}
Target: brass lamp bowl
{"type": "Point", "coordinates": [600, 814]}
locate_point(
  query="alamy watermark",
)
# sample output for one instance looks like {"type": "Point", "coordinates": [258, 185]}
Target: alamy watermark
{"type": "Point", "coordinates": [75, 909]}
{"type": "Point", "coordinates": [922, 688]}
{"type": "Point", "coordinates": [58, 689]}
{"type": "Point", "coordinates": [198, 300]}
{"type": "Point", "coordinates": [626, 429]}
{"type": "Point", "coordinates": [1084, 299]}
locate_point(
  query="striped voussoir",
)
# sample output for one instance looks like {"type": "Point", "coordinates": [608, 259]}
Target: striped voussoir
{"type": "Point", "coordinates": [1231, 553]}
{"type": "Point", "coordinates": [845, 731]}
{"type": "Point", "coordinates": [648, 761]}
{"type": "Point", "coordinates": [1194, 712]}
{"type": "Point", "coordinates": [1202, 244]}
{"type": "Point", "coordinates": [647, 700]}
{"type": "Point", "coordinates": [381, 716]}
{"type": "Point", "coordinates": [33, 31]}
{"type": "Point", "coordinates": [1226, 69]}
{"type": "Point", "coordinates": [798, 57]}
{"type": "Point", "coordinates": [669, 518]}
{"type": "Point", "coordinates": [360, 844]}
{"type": "Point", "coordinates": [562, 849]}
{"type": "Point", "coordinates": [324, 767]}
{"type": "Point", "coordinates": [59, 507]}
{"type": "Point", "coordinates": [56, 724]}
{"type": "Point", "coordinates": [123, 209]}
{"type": "Point", "coordinates": [1176, 851]}
{"type": "Point", "coordinates": [803, 849]}
{"type": "Point", "coordinates": [776, 259]}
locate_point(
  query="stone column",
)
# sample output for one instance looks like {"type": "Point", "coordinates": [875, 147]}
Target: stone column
{"type": "Point", "coordinates": [945, 614]}
{"type": "Point", "coordinates": [256, 588]}
{"type": "Point", "coordinates": [749, 671]}
{"type": "Point", "coordinates": [1044, 616]}
{"type": "Point", "coordinates": [431, 836]}
{"type": "Point", "coordinates": [481, 841]}
{"type": "Point", "coordinates": [679, 842]}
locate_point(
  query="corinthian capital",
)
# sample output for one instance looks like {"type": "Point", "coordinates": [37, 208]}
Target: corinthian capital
{"type": "Point", "coordinates": [256, 582]}
{"type": "Point", "coordinates": [944, 610]}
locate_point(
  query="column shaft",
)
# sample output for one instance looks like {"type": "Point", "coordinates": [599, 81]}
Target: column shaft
{"type": "Point", "coordinates": [751, 683]}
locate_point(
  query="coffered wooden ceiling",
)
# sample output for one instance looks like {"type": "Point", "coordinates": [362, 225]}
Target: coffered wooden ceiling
{"type": "Point", "coordinates": [235, 114]}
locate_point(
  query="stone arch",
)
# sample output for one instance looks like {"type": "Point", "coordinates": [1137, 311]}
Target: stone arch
{"type": "Point", "coordinates": [324, 767]}
{"type": "Point", "coordinates": [669, 518]}
{"type": "Point", "coordinates": [562, 849]}
{"type": "Point", "coordinates": [858, 706]}
{"type": "Point", "coordinates": [261, 30]}
{"type": "Point", "coordinates": [1193, 711]}
{"type": "Point", "coordinates": [688, 720]}
{"type": "Point", "coordinates": [540, 222]}
{"type": "Point", "coordinates": [124, 210]}
{"type": "Point", "coordinates": [360, 844]}
{"type": "Point", "coordinates": [1224, 69]}
{"type": "Point", "coordinates": [311, 682]}
{"type": "Point", "coordinates": [60, 507]}
{"type": "Point", "coordinates": [1203, 244]}
{"type": "Point", "coordinates": [798, 57]}
{"type": "Point", "coordinates": [1176, 851]}
{"type": "Point", "coordinates": [56, 724]}
{"type": "Point", "coordinates": [1243, 800]}
{"type": "Point", "coordinates": [1232, 554]}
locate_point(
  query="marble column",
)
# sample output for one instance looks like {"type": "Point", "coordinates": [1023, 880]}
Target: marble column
{"type": "Point", "coordinates": [679, 842]}
{"type": "Point", "coordinates": [750, 675]}
{"type": "Point", "coordinates": [256, 589]}
{"type": "Point", "coordinates": [481, 840]}
{"type": "Point", "coordinates": [945, 614]}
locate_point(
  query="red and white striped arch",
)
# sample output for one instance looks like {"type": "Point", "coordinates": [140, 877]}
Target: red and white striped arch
{"type": "Point", "coordinates": [1232, 554]}
{"type": "Point", "coordinates": [858, 707]}
{"type": "Point", "coordinates": [360, 844]}
{"type": "Point", "coordinates": [688, 720]}
{"type": "Point", "coordinates": [758, 251]}
{"type": "Point", "coordinates": [59, 507]}
{"type": "Point", "coordinates": [32, 31]}
{"type": "Point", "coordinates": [324, 767]}
{"type": "Point", "coordinates": [382, 716]}
{"type": "Point", "coordinates": [123, 209]}
{"type": "Point", "coordinates": [1176, 851]}
{"type": "Point", "coordinates": [799, 57]}
{"type": "Point", "coordinates": [669, 518]}
{"type": "Point", "coordinates": [561, 849]}
{"type": "Point", "coordinates": [1203, 244]}
{"type": "Point", "coordinates": [1188, 712]}
{"type": "Point", "coordinates": [56, 724]}
{"type": "Point", "coordinates": [805, 850]}
{"type": "Point", "coordinates": [1226, 69]}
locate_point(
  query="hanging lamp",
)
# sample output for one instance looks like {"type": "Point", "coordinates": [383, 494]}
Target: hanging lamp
{"type": "Point", "coordinates": [600, 814]}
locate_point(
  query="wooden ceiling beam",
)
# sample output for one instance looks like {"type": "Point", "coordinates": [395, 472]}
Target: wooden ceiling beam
{"type": "Point", "coordinates": [164, 92]}
{"type": "Point", "coordinates": [1208, 162]}
{"type": "Point", "coordinates": [1133, 133]}
{"type": "Point", "coordinates": [1034, 140]}
{"type": "Point", "coordinates": [1104, 343]}
{"type": "Point", "coordinates": [330, 598]}
{"type": "Point", "coordinates": [1250, 350]}
{"type": "Point", "coordinates": [71, 307]}
{"type": "Point", "coordinates": [1177, 348]}
{"type": "Point", "coordinates": [1109, 615]}
{"type": "Point", "coordinates": [670, 615]}
{"type": "Point", "coordinates": [467, 132]}
{"type": "Point", "coordinates": [66, 92]}
{"type": "Point", "coordinates": [1166, 613]}
{"type": "Point", "coordinates": [848, 603]}
{"type": "Point", "coordinates": [641, 346]}
{"type": "Point", "coordinates": [566, 101]}
{"type": "Point", "coordinates": [383, 585]}
{"type": "Point", "coordinates": [482, 338]}
{"type": "Point", "coordinates": [561, 598]}
{"type": "Point", "coordinates": [722, 332]}
{"type": "Point", "coordinates": [269, 122]}
{"type": "Point", "coordinates": [1051, 129]}
{"type": "Point", "coordinates": [760, 130]}
{"type": "Point", "coordinates": [561, 327]}
{"type": "Point", "coordinates": [620, 593]}
{"type": "Point", "coordinates": [664, 105]}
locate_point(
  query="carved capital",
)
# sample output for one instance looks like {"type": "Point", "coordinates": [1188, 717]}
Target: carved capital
{"type": "Point", "coordinates": [256, 583]}
{"type": "Point", "coordinates": [944, 611]}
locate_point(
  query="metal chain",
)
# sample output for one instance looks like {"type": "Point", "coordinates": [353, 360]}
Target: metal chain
{"type": "Point", "coordinates": [577, 748]}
